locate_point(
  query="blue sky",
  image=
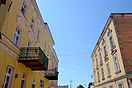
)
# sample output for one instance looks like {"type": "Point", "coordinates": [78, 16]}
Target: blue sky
{"type": "Point", "coordinates": [76, 26]}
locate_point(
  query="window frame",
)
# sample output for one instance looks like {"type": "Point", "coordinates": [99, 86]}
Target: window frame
{"type": "Point", "coordinates": [10, 75]}
{"type": "Point", "coordinates": [102, 72]}
{"type": "Point", "coordinates": [101, 60]}
{"type": "Point", "coordinates": [112, 44]}
{"type": "Point", "coordinates": [121, 83]}
{"type": "Point", "coordinates": [17, 37]}
{"type": "Point", "coordinates": [108, 69]}
{"type": "Point", "coordinates": [38, 35]}
{"type": "Point", "coordinates": [24, 78]}
{"type": "Point", "coordinates": [32, 24]}
{"type": "Point", "coordinates": [98, 76]}
{"type": "Point", "coordinates": [41, 84]}
{"type": "Point", "coordinates": [24, 8]}
{"type": "Point", "coordinates": [105, 50]}
{"type": "Point", "coordinates": [96, 62]}
{"type": "Point", "coordinates": [116, 63]}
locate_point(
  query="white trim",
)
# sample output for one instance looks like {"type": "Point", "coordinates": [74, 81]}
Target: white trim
{"type": "Point", "coordinates": [10, 43]}
{"type": "Point", "coordinates": [6, 49]}
{"type": "Point", "coordinates": [121, 84]}
{"type": "Point", "coordinates": [9, 75]}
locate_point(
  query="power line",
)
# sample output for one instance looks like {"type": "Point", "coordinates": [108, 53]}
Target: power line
{"type": "Point", "coordinates": [74, 54]}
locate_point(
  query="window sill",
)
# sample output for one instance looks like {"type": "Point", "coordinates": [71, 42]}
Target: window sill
{"type": "Point", "coordinates": [118, 72]}
{"type": "Point", "coordinates": [109, 76]}
{"type": "Point", "coordinates": [23, 16]}
{"type": "Point", "coordinates": [103, 78]}
{"type": "Point", "coordinates": [97, 68]}
{"type": "Point", "coordinates": [101, 64]}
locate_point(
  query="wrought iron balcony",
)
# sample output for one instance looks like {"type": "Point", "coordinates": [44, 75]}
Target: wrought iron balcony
{"type": "Point", "coordinates": [52, 74]}
{"type": "Point", "coordinates": [34, 58]}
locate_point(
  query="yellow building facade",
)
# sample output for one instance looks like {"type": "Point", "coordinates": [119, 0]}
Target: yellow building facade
{"type": "Point", "coordinates": [109, 67]}
{"type": "Point", "coordinates": [26, 47]}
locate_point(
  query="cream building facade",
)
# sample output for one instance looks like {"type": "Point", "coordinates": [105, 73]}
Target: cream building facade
{"type": "Point", "coordinates": [111, 57]}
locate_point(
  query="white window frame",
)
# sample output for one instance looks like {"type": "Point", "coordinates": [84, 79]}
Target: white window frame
{"type": "Point", "coordinates": [111, 42]}
{"type": "Point", "coordinates": [38, 35]}
{"type": "Point", "coordinates": [24, 7]}
{"type": "Point", "coordinates": [98, 76]}
{"type": "Point", "coordinates": [121, 83]}
{"type": "Point", "coordinates": [33, 84]}
{"type": "Point", "coordinates": [102, 72]}
{"type": "Point", "coordinates": [96, 62]}
{"type": "Point", "coordinates": [108, 69]}
{"type": "Point", "coordinates": [41, 84]}
{"type": "Point", "coordinates": [24, 77]}
{"type": "Point", "coordinates": [32, 24]}
{"type": "Point", "coordinates": [116, 63]}
{"type": "Point", "coordinates": [105, 50]}
{"type": "Point", "coordinates": [8, 75]}
{"type": "Point", "coordinates": [17, 37]}
{"type": "Point", "coordinates": [100, 56]}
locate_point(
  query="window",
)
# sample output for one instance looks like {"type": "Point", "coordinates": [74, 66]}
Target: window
{"type": "Point", "coordinates": [23, 82]}
{"type": "Point", "coordinates": [116, 64]}
{"type": "Point", "coordinates": [111, 42]}
{"type": "Point", "coordinates": [96, 63]}
{"type": "Point", "coordinates": [38, 35]}
{"type": "Point", "coordinates": [98, 77]}
{"type": "Point", "coordinates": [33, 86]}
{"type": "Point", "coordinates": [17, 37]}
{"type": "Point", "coordinates": [32, 24]}
{"type": "Point", "coordinates": [105, 51]}
{"type": "Point", "coordinates": [108, 69]}
{"type": "Point", "coordinates": [102, 71]}
{"type": "Point", "coordinates": [8, 77]}
{"type": "Point", "coordinates": [24, 9]}
{"type": "Point", "coordinates": [41, 84]}
{"type": "Point", "coordinates": [120, 85]}
{"type": "Point", "coordinates": [100, 58]}
{"type": "Point", "coordinates": [110, 86]}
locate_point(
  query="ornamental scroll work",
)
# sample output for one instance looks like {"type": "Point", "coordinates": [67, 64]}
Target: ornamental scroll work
{"type": "Point", "coordinates": [21, 20]}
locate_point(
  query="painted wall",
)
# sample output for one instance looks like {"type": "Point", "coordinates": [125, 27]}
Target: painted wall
{"type": "Point", "coordinates": [9, 53]}
{"type": "Point", "coordinates": [104, 41]}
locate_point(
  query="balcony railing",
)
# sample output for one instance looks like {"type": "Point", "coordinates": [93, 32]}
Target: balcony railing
{"type": "Point", "coordinates": [34, 58]}
{"type": "Point", "coordinates": [52, 74]}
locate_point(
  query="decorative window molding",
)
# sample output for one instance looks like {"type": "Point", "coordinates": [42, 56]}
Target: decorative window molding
{"type": "Point", "coordinates": [101, 61]}
{"type": "Point", "coordinates": [41, 84]}
{"type": "Point", "coordinates": [23, 82]}
{"type": "Point", "coordinates": [8, 77]}
{"type": "Point", "coordinates": [109, 32]}
{"type": "Point", "coordinates": [38, 35]}
{"type": "Point", "coordinates": [102, 72]}
{"type": "Point", "coordinates": [98, 76]}
{"type": "Point", "coordinates": [116, 64]}
{"type": "Point", "coordinates": [24, 9]}
{"type": "Point", "coordinates": [108, 70]}
{"type": "Point", "coordinates": [103, 42]}
{"type": "Point", "coordinates": [120, 85]}
{"type": "Point", "coordinates": [17, 37]}
{"type": "Point", "coordinates": [32, 24]}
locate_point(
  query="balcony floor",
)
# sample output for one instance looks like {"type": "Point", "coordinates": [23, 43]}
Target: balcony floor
{"type": "Point", "coordinates": [33, 64]}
